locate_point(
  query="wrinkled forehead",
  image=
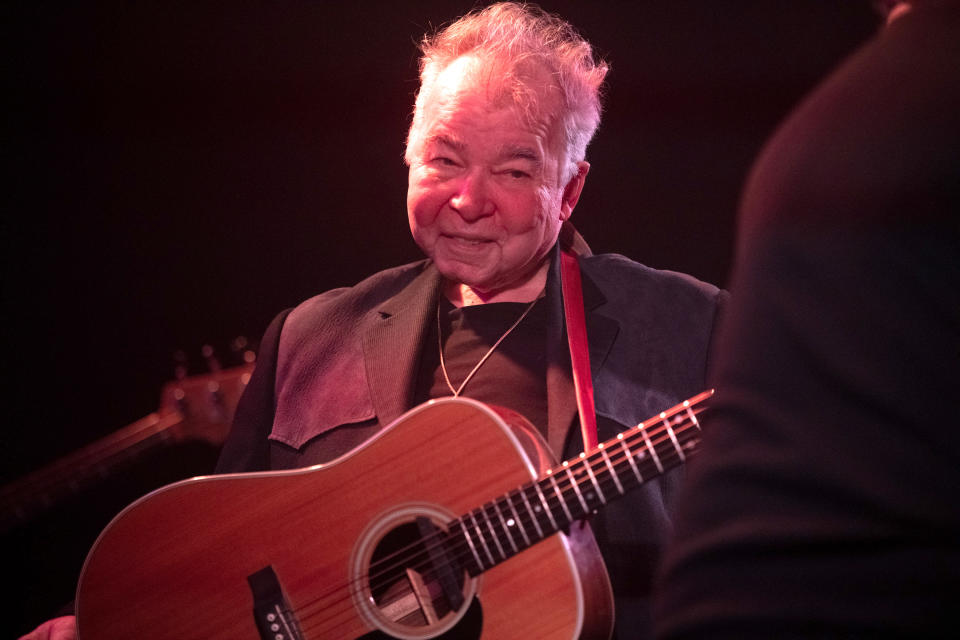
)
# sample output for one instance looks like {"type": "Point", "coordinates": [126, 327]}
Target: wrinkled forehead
{"type": "Point", "coordinates": [470, 82]}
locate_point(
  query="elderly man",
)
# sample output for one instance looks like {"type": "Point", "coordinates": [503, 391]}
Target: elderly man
{"type": "Point", "coordinates": [509, 100]}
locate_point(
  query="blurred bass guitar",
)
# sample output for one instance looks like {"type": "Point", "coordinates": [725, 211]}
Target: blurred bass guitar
{"type": "Point", "coordinates": [195, 408]}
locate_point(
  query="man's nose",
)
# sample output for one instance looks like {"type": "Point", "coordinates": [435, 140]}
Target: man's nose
{"type": "Point", "coordinates": [471, 199]}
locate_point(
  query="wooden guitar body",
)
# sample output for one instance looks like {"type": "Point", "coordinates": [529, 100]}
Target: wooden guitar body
{"type": "Point", "coordinates": [185, 561]}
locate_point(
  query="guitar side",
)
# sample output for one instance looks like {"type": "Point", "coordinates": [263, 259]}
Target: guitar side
{"type": "Point", "coordinates": [176, 563]}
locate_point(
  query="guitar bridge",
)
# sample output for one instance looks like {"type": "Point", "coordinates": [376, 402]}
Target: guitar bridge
{"type": "Point", "coordinates": [271, 611]}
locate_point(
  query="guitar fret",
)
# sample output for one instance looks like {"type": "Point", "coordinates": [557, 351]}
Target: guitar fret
{"type": "Point", "coordinates": [491, 531]}
{"type": "Point", "coordinates": [546, 507]}
{"type": "Point", "coordinates": [519, 521]}
{"type": "Point", "coordinates": [419, 581]}
{"type": "Point", "coordinates": [530, 510]}
{"type": "Point", "coordinates": [506, 527]}
{"type": "Point", "coordinates": [493, 534]}
{"type": "Point", "coordinates": [593, 478]}
{"type": "Point", "coordinates": [576, 489]}
{"type": "Point", "coordinates": [633, 464]}
{"type": "Point", "coordinates": [495, 524]}
{"type": "Point", "coordinates": [693, 416]}
{"type": "Point", "coordinates": [563, 503]}
{"type": "Point", "coordinates": [486, 549]}
{"type": "Point", "coordinates": [473, 548]}
{"type": "Point", "coordinates": [673, 436]}
{"type": "Point", "coordinates": [613, 473]}
{"type": "Point", "coordinates": [653, 451]}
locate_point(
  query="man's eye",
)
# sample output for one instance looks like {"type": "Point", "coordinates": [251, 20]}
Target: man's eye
{"type": "Point", "coordinates": [444, 161]}
{"type": "Point", "coordinates": [517, 174]}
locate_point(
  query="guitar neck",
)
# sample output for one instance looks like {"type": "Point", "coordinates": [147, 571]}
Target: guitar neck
{"type": "Point", "coordinates": [195, 408]}
{"type": "Point", "coordinates": [34, 493]}
{"type": "Point", "coordinates": [503, 527]}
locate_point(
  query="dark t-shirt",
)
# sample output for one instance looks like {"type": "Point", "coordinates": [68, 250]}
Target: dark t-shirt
{"type": "Point", "coordinates": [513, 376]}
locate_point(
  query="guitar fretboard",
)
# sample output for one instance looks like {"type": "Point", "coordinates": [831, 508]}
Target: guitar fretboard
{"type": "Point", "coordinates": [568, 492]}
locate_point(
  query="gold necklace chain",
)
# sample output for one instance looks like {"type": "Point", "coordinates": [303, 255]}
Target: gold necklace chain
{"type": "Point", "coordinates": [443, 366]}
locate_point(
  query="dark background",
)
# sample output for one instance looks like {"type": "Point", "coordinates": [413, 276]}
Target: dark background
{"type": "Point", "coordinates": [180, 172]}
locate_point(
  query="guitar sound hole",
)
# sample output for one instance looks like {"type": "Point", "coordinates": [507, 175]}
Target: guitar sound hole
{"type": "Point", "coordinates": [408, 580]}
{"type": "Point", "coordinates": [404, 583]}
{"type": "Point", "coordinates": [470, 627]}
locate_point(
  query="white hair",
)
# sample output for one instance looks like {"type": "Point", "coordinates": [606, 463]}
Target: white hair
{"type": "Point", "coordinates": [518, 43]}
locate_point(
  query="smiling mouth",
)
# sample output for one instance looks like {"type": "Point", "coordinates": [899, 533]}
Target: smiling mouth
{"type": "Point", "coordinates": [469, 242]}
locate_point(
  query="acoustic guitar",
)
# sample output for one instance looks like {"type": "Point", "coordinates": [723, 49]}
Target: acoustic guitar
{"type": "Point", "coordinates": [388, 541]}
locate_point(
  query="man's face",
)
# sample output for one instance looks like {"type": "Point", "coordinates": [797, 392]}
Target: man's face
{"type": "Point", "coordinates": [485, 199]}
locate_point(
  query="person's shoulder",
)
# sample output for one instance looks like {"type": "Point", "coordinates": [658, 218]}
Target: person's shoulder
{"type": "Point", "coordinates": [619, 275]}
{"type": "Point", "coordinates": [359, 298]}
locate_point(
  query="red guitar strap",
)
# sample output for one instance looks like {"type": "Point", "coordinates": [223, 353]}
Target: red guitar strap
{"type": "Point", "coordinates": [577, 341]}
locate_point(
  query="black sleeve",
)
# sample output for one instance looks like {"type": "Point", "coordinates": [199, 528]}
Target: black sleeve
{"type": "Point", "coordinates": [720, 312]}
{"type": "Point", "coordinates": [247, 447]}
{"type": "Point", "coordinates": [823, 501]}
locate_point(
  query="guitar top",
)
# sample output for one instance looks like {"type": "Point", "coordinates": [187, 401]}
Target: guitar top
{"type": "Point", "coordinates": [439, 526]}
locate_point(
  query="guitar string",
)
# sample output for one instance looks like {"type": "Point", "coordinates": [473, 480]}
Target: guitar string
{"type": "Point", "coordinates": [382, 568]}
{"type": "Point", "coordinates": [595, 459]}
{"type": "Point", "coordinates": [568, 484]}
{"type": "Point", "coordinates": [637, 433]}
{"type": "Point", "coordinates": [665, 458]}
{"type": "Point", "coordinates": [637, 436]}
{"type": "Point", "coordinates": [349, 610]}
{"type": "Point", "coordinates": [348, 613]}
{"type": "Point", "coordinates": [339, 618]}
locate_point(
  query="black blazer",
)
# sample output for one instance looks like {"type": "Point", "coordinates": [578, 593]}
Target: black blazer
{"type": "Point", "coordinates": [342, 365]}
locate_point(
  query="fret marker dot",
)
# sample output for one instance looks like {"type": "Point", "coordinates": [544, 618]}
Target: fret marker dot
{"type": "Point", "coordinates": [663, 415]}
{"type": "Point", "coordinates": [565, 463]}
{"type": "Point", "coordinates": [511, 522]}
{"type": "Point", "coordinates": [583, 454]}
{"type": "Point", "coordinates": [619, 436]}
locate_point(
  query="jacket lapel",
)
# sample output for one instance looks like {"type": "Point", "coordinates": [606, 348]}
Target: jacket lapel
{"type": "Point", "coordinates": [392, 344]}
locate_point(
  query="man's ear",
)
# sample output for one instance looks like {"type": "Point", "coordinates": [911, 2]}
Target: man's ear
{"type": "Point", "coordinates": [573, 188]}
